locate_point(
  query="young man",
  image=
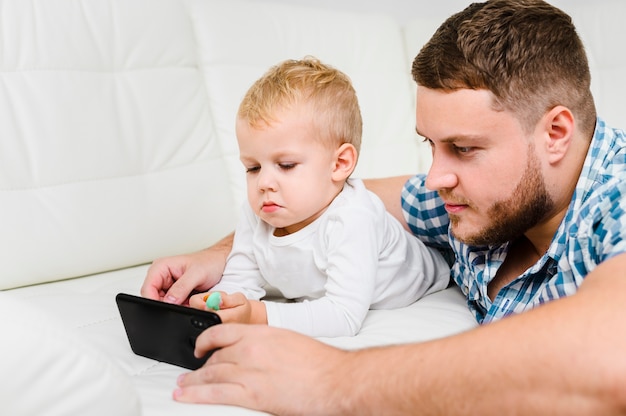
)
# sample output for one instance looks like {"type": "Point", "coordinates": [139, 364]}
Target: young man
{"type": "Point", "coordinates": [503, 87]}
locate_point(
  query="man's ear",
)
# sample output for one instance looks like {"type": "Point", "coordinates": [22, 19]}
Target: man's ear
{"type": "Point", "coordinates": [558, 125]}
{"type": "Point", "coordinates": [344, 162]}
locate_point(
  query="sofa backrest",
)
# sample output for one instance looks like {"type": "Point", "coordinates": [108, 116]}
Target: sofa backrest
{"type": "Point", "coordinates": [108, 154]}
{"type": "Point", "coordinates": [117, 135]}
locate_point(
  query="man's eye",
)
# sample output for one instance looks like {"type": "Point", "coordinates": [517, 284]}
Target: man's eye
{"type": "Point", "coordinates": [253, 169]}
{"type": "Point", "coordinates": [287, 166]}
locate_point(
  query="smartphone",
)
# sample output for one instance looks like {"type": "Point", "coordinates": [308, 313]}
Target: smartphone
{"type": "Point", "coordinates": [162, 331]}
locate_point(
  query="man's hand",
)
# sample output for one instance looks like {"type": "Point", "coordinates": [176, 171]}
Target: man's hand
{"type": "Point", "coordinates": [265, 368]}
{"type": "Point", "coordinates": [172, 279]}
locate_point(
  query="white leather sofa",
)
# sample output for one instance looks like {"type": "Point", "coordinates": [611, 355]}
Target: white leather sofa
{"type": "Point", "coordinates": [117, 147]}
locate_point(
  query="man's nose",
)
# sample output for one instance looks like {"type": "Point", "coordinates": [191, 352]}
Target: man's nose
{"type": "Point", "coordinates": [441, 176]}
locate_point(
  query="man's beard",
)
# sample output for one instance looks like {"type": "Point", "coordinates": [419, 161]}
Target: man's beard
{"type": "Point", "coordinates": [510, 219]}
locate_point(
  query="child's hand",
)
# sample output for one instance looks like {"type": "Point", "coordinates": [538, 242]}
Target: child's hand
{"type": "Point", "coordinates": [199, 300]}
{"type": "Point", "coordinates": [232, 308]}
{"type": "Point", "coordinates": [213, 301]}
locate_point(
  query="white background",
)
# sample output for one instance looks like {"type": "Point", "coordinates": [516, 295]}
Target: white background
{"type": "Point", "coordinates": [404, 10]}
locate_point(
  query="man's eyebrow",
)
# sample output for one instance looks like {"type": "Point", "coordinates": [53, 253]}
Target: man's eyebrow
{"type": "Point", "coordinates": [451, 139]}
{"type": "Point", "coordinates": [426, 137]}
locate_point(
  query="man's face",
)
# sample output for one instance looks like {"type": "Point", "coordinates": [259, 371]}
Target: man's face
{"type": "Point", "coordinates": [485, 167]}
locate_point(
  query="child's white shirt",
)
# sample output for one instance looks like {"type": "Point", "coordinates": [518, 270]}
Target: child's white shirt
{"type": "Point", "coordinates": [353, 258]}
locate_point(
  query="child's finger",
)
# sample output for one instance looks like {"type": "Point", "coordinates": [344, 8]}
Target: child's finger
{"type": "Point", "coordinates": [196, 301]}
{"type": "Point", "coordinates": [232, 300]}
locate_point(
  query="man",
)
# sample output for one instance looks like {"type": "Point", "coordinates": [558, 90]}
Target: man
{"type": "Point", "coordinates": [525, 189]}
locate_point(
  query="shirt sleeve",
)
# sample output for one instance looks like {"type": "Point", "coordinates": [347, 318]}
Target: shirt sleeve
{"type": "Point", "coordinates": [601, 231]}
{"type": "Point", "coordinates": [425, 213]}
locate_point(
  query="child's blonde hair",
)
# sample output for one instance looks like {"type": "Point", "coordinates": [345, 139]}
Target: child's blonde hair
{"type": "Point", "coordinates": [328, 91]}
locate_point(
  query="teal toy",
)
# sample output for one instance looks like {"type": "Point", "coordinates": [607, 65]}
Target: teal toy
{"type": "Point", "coordinates": [213, 301]}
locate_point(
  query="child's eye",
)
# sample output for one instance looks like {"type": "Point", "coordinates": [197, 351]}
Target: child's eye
{"type": "Point", "coordinates": [463, 149]}
{"type": "Point", "coordinates": [287, 166]}
{"type": "Point", "coordinates": [253, 169]}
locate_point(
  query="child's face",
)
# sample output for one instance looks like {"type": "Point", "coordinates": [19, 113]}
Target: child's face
{"type": "Point", "coordinates": [288, 170]}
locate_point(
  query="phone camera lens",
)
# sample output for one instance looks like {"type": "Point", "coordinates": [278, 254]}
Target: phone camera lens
{"type": "Point", "coordinates": [198, 323]}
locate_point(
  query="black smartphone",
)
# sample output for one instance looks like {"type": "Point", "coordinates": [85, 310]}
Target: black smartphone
{"type": "Point", "coordinates": [163, 331]}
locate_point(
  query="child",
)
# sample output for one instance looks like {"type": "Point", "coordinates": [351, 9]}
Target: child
{"type": "Point", "coordinates": [308, 231]}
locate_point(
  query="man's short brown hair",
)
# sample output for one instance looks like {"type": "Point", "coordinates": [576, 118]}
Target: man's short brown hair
{"type": "Point", "coordinates": [526, 52]}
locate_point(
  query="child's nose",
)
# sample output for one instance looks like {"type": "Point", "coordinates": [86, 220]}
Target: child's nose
{"type": "Point", "coordinates": [266, 181]}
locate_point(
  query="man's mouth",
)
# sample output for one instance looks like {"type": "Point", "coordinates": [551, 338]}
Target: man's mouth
{"type": "Point", "coordinates": [454, 207]}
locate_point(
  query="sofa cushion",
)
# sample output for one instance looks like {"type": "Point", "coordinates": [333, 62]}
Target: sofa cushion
{"type": "Point", "coordinates": [87, 305]}
{"type": "Point", "coordinates": [42, 359]}
{"type": "Point", "coordinates": [109, 156]}
{"type": "Point", "coordinates": [118, 141]}
{"type": "Point", "coordinates": [366, 46]}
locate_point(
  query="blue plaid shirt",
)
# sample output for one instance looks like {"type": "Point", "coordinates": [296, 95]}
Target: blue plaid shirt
{"type": "Point", "coordinates": [592, 231]}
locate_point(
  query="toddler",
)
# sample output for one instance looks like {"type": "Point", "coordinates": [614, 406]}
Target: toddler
{"type": "Point", "coordinates": [308, 231]}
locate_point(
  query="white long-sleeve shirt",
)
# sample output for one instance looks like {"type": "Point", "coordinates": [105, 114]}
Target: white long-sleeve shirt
{"type": "Point", "coordinates": [354, 257]}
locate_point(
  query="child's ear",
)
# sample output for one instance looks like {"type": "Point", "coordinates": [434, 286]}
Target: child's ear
{"type": "Point", "coordinates": [344, 162]}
